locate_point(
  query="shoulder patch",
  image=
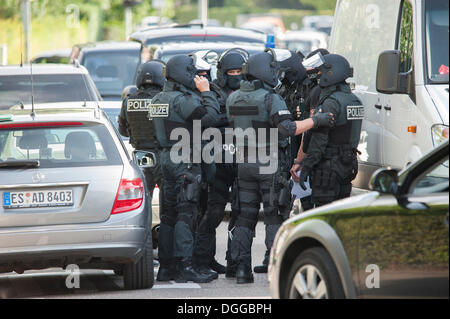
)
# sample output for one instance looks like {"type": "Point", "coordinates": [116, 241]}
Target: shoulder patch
{"type": "Point", "coordinates": [158, 110]}
{"type": "Point", "coordinates": [284, 112]}
{"type": "Point", "coordinates": [355, 112]}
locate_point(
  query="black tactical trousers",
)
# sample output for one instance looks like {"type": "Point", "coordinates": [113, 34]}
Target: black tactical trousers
{"type": "Point", "coordinates": [254, 188]}
{"type": "Point", "coordinates": [176, 234]}
{"type": "Point", "coordinates": [218, 197]}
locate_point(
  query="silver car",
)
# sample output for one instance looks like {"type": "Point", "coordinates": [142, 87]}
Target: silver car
{"type": "Point", "coordinates": [70, 194]}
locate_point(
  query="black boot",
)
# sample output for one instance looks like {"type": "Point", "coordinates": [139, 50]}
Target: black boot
{"type": "Point", "coordinates": [230, 270]}
{"type": "Point", "coordinates": [205, 270]}
{"type": "Point", "coordinates": [167, 271]}
{"type": "Point", "coordinates": [244, 274]}
{"type": "Point", "coordinates": [218, 268]}
{"type": "Point", "coordinates": [166, 274]}
{"type": "Point", "coordinates": [261, 269]}
{"type": "Point", "coordinates": [186, 272]}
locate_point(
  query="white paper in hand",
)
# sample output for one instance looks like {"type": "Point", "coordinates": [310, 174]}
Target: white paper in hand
{"type": "Point", "coordinates": [298, 191]}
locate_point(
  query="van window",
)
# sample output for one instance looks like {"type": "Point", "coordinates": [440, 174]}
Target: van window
{"type": "Point", "coordinates": [406, 39]}
{"type": "Point", "coordinates": [437, 43]}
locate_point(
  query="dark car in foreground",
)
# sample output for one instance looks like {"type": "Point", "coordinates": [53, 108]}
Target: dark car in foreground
{"type": "Point", "coordinates": [392, 242]}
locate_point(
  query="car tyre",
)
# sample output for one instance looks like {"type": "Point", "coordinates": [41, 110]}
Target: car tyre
{"type": "Point", "coordinates": [313, 275]}
{"type": "Point", "coordinates": [140, 275]}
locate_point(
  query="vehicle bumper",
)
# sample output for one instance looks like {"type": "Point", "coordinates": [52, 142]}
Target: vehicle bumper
{"type": "Point", "coordinates": [274, 275]}
{"type": "Point", "coordinates": [59, 245]}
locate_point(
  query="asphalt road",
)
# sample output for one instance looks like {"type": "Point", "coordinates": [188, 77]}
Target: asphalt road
{"type": "Point", "coordinates": [51, 283]}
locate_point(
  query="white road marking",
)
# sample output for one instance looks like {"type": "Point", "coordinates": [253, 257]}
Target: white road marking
{"type": "Point", "coordinates": [175, 285]}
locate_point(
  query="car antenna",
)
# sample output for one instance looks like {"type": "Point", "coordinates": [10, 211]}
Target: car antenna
{"type": "Point", "coordinates": [33, 114]}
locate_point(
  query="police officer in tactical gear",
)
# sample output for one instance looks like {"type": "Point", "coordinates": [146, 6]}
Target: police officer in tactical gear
{"type": "Point", "coordinates": [229, 68]}
{"type": "Point", "coordinates": [128, 90]}
{"type": "Point", "coordinates": [310, 100]}
{"type": "Point", "coordinates": [178, 107]}
{"type": "Point", "coordinates": [133, 120]}
{"type": "Point", "coordinates": [292, 75]}
{"type": "Point", "coordinates": [331, 161]}
{"type": "Point", "coordinates": [256, 106]}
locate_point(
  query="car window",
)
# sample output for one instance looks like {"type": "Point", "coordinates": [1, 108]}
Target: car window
{"type": "Point", "coordinates": [60, 146]}
{"type": "Point", "coordinates": [111, 71]}
{"type": "Point", "coordinates": [47, 88]}
{"type": "Point", "coordinates": [113, 115]}
{"type": "Point", "coordinates": [434, 180]}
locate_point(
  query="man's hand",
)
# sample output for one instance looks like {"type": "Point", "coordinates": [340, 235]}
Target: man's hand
{"type": "Point", "coordinates": [295, 168]}
{"type": "Point", "coordinates": [201, 83]}
{"type": "Point", "coordinates": [304, 174]}
{"type": "Point", "coordinates": [323, 120]}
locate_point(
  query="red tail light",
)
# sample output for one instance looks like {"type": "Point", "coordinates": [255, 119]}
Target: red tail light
{"type": "Point", "coordinates": [130, 196]}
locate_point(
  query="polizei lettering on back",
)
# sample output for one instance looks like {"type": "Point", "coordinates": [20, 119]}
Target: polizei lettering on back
{"type": "Point", "coordinates": [158, 110]}
{"type": "Point", "coordinates": [355, 112]}
{"type": "Point", "coordinates": [138, 105]}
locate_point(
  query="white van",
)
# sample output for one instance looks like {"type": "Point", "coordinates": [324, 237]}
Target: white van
{"type": "Point", "coordinates": [399, 50]}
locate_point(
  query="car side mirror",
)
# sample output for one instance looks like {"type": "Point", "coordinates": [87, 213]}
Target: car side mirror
{"type": "Point", "coordinates": [389, 78]}
{"type": "Point", "coordinates": [384, 181]}
{"type": "Point", "coordinates": [144, 159]}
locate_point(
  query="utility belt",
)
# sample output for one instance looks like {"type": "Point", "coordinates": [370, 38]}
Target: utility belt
{"type": "Point", "coordinates": [346, 152]}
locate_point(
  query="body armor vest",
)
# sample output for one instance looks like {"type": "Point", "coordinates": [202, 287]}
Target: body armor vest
{"type": "Point", "coordinates": [248, 110]}
{"type": "Point", "coordinates": [347, 130]}
{"type": "Point", "coordinates": [141, 128]}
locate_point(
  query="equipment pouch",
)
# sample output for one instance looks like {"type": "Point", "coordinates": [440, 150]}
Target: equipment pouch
{"type": "Point", "coordinates": [284, 196]}
{"type": "Point", "coordinates": [192, 187]}
{"type": "Point", "coordinates": [347, 154]}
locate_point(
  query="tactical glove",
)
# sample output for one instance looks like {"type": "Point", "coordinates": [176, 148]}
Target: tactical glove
{"type": "Point", "coordinates": [321, 119]}
{"type": "Point", "coordinates": [304, 174]}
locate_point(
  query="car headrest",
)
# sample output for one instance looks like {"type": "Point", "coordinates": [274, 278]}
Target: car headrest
{"type": "Point", "coordinates": [79, 145]}
{"type": "Point", "coordinates": [33, 142]}
{"type": "Point", "coordinates": [106, 71]}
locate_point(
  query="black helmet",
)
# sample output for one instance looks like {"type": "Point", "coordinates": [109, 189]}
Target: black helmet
{"type": "Point", "coordinates": [229, 60]}
{"type": "Point", "coordinates": [263, 66]}
{"type": "Point", "coordinates": [336, 69]}
{"type": "Point", "coordinates": [180, 68]}
{"type": "Point", "coordinates": [150, 73]}
{"type": "Point", "coordinates": [128, 90]}
{"type": "Point", "coordinates": [292, 67]}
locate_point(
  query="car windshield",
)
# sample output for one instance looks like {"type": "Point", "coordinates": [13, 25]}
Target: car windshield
{"type": "Point", "coordinates": [86, 145]}
{"type": "Point", "coordinates": [437, 43]}
{"type": "Point", "coordinates": [113, 115]}
{"type": "Point", "coordinates": [112, 71]}
{"type": "Point", "coordinates": [47, 88]}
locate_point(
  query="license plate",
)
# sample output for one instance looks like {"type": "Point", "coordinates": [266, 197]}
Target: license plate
{"type": "Point", "coordinates": [43, 198]}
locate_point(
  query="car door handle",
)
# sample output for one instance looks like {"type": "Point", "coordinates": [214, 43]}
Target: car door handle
{"type": "Point", "coordinates": [378, 106]}
{"type": "Point", "coordinates": [388, 108]}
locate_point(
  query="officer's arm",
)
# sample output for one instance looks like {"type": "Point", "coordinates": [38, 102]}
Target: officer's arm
{"type": "Point", "coordinates": [319, 137]}
{"type": "Point", "coordinates": [207, 110]}
{"type": "Point", "coordinates": [288, 127]}
{"type": "Point", "coordinates": [122, 120]}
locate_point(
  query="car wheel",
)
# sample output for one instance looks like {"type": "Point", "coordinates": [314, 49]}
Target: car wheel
{"type": "Point", "coordinates": [140, 274]}
{"type": "Point", "coordinates": [313, 275]}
